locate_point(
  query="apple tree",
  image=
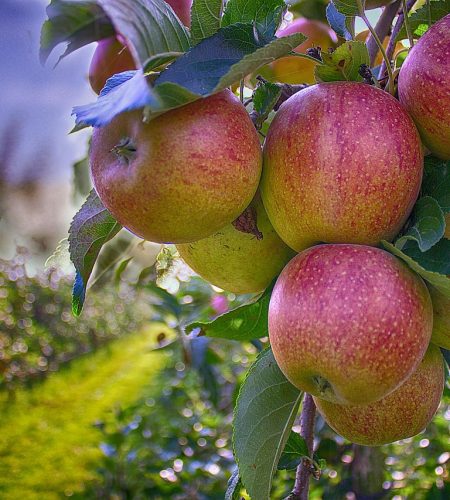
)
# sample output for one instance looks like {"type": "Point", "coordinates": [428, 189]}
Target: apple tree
{"type": "Point", "coordinates": [293, 161]}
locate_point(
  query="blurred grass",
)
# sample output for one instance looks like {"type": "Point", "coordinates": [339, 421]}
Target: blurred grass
{"type": "Point", "coordinates": [48, 444]}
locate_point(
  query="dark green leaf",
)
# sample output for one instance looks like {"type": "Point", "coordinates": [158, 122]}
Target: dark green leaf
{"type": "Point", "coordinates": [347, 7]}
{"type": "Point", "coordinates": [436, 181]}
{"type": "Point", "coordinates": [437, 259]}
{"type": "Point", "coordinates": [438, 280]}
{"type": "Point", "coordinates": [428, 225]}
{"type": "Point", "coordinates": [165, 298]}
{"type": "Point", "coordinates": [205, 19]}
{"type": "Point", "coordinates": [76, 22]}
{"type": "Point", "coordinates": [82, 184]}
{"type": "Point", "coordinates": [234, 486]}
{"type": "Point", "coordinates": [266, 14]}
{"type": "Point", "coordinates": [293, 452]}
{"type": "Point", "coordinates": [337, 21]}
{"type": "Point", "coordinates": [120, 270]}
{"type": "Point", "coordinates": [311, 9]}
{"type": "Point", "coordinates": [265, 410]}
{"type": "Point", "coordinates": [265, 97]}
{"type": "Point", "coordinates": [343, 63]}
{"type": "Point", "coordinates": [246, 322]}
{"type": "Point", "coordinates": [419, 19]}
{"type": "Point", "coordinates": [91, 228]}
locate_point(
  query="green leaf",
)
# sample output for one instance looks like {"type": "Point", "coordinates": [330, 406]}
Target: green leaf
{"type": "Point", "coordinates": [338, 22]}
{"type": "Point", "coordinates": [347, 7]}
{"type": "Point", "coordinates": [76, 22]}
{"type": "Point", "coordinates": [151, 28]}
{"type": "Point", "coordinates": [265, 97]}
{"type": "Point", "coordinates": [436, 259]}
{"type": "Point", "coordinates": [438, 280]}
{"type": "Point", "coordinates": [247, 322]}
{"type": "Point", "coordinates": [436, 181]}
{"type": "Point", "coordinates": [91, 228]}
{"type": "Point", "coordinates": [234, 486]}
{"type": "Point", "coordinates": [428, 225]}
{"type": "Point", "coordinates": [205, 19]}
{"type": "Point", "coordinates": [265, 14]}
{"type": "Point", "coordinates": [419, 19]}
{"type": "Point", "coordinates": [343, 63]}
{"type": "Point", "coordinates": [121, 269]}
{"type": "Point", "coordinates": [265, 411]}
{"type": "Point", "coordinates": [293, 452]}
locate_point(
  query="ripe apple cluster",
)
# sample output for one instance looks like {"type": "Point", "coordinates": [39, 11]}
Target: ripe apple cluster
{"type": "Point", "coordinates": [340, 171]}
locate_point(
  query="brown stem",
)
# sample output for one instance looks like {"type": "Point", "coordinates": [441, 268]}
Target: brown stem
{"type": "Point", "coordinates": [305, 468]}
{"type": "Point", "coordinates": [382, 28]}
{"type": "Point", "coordinates": [396, 30]}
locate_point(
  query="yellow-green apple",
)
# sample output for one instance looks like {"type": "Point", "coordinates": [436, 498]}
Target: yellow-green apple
{"type": "Point", "coordinates": [441, 322]}
{"type": "Point", "coordinates": [399, 415]}
{"type": "Point", "coordinates": [294, 69]}
{"type": "Point", "coordinates": [349, 323]}
{"type": "Point", "coordinates": [110, 57]}
{"type": "Point", "coordinates": [424, 87]}
{"type": "Point", "coordinates": [243, 257]}
{"type": "Point", "coordinates": [182, 176]}
{"type": "Point", "coordinates": [343, 163]}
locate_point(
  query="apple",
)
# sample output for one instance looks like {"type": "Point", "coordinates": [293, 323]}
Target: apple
{"type": "Point", "coordinates": [182, 9]}
{"type": "Point", "coordinates": [110, 57]}
{"type": "Point", "coordinates": [349, 323]}
{"type": "Point", "coordinates": [441, 323]}
{"type": "Point", "coordinates": [424, 87]}
{"type": "Point", "coordinates": [400, 415]}
{"type": "Point", "coordinates": [239, 261]}
{"type": "Point", "coordinates": [292, 69]}
{"type": "Point", "coordinates": [343, 163]}
{"type": "Point", "coordinates": [182, 176]}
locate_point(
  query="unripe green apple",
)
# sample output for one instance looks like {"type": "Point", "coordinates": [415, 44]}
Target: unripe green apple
{"type": "Point", "coordinates": [110, 57]}
{"type": "Point", "coordinates": [441, 321]}
{"type": "Point", "coordinates": [293, 69]}
{"type": "Point", "coordinates": [349, 323]}
{"type": "Point", "coordinates": [243, 257]}
{"type": "Point", "coordinates": [402, 414]}
{"type": "Point", "coordinates": [182, 176]}
{"type": "Point", "coordinates": [424, 87]}
{"type": "Point", "coordinates": [343, 163]}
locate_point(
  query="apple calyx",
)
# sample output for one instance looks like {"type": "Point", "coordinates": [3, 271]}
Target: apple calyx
{"type": "Point", "coordinates": [315, 52]}
{"type": "Point", "coordinates": [247, 223]}
{"type": "Point", "coordinates": [125, 149]}
{"type": "Point", "coordinates": [323, 387]}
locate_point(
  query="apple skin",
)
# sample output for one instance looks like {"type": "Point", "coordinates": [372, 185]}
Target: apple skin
{"type": "Point", "coordinates": [182, 9]}
{"type": "Point", "coordinates": [400, 415]}
{"type": "Point", "coordinates": [236, 261]}
{"type": "Point", "coordinates": [110, 57]}
{"type": "Point", "coordinates": [441, 323]}
{"type": "Point", "coordinates": [343, 163]}
{"type": "Point", "coordinates": [349, 323]}
{"type": "Point", "coordinates": [293, 69]}
{"type": "Point", "coordinates": [194, 170]}
{"type": "Point", "coordinates": [424, 87]}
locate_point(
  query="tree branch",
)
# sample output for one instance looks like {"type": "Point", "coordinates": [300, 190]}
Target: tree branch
{"type": "Point", "coordinates": [305, 468]}
{"type": "Point", "coordinates": [383, 28]}
{"type": "Point", "coordinates": [391, 45]}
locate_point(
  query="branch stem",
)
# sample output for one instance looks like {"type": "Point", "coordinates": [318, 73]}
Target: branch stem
{"type": "Point", "coordinates": [406, 21]}
{"type": "Point", "coordinates": [301, 487]}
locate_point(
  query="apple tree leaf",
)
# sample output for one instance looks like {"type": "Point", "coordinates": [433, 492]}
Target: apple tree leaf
{"type": "Point", "coordinates": [76, 23]}
{"type": "Point", "coordinates": [265, 97]}
{"type": "Point", "coordinates": [347, 7]}
{"type": "Point", "coordinates": [247, 322]}
{"type": "Point", "coordinates": [205, 19]}
{"type": "Point", "coordinates": [293, 452]}
{"type": "Point", "coordinates": [428, 225]}
{"type": "Point", "coordinates": [433, 266]}
{"type": "Point", "coordinates": [265, 14]}
{"type": "Point", "coordinates": [419, 20]}
{"type": "Point", "coordinates": [265, 411]}
{"type": "Point", "coordinates": [90, 229]}
{"type": "Point", "coordinates": [337, 21]}
{"type": "Point", "coordinates": [436, 181]}
{"type": "Point", "coordinates": [234, 486]}
{"type": "Point", "coordinates": [343, 63]}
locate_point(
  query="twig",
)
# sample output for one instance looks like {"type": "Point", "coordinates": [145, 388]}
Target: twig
{"type": "Point", "coordinates": [407, 26]}
{"type": "Point", "coordinates": [382, 28]}
{"type": "Point", "coordinates": [306, 467]}
{"type": "Point", "coordinates": [391, 45]}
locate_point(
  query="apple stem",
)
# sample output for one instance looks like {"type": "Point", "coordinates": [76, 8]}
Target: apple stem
{"type": "Point", "coordinates": [391, 45]}
{"type": "Point", "coordinates": [407, 26]}
{"type": "Point", "coordinates": [382, 28]}
{"type": "Point", "coordinates": [306, 56]}
{"type": "Point", "coordinates": [305, 468]}
{"type": "Point", "coordinates": [241, 91]}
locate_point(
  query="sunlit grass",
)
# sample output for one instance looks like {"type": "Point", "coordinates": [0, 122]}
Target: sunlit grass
{"type": "Point", "coordinates": [48, 443]}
